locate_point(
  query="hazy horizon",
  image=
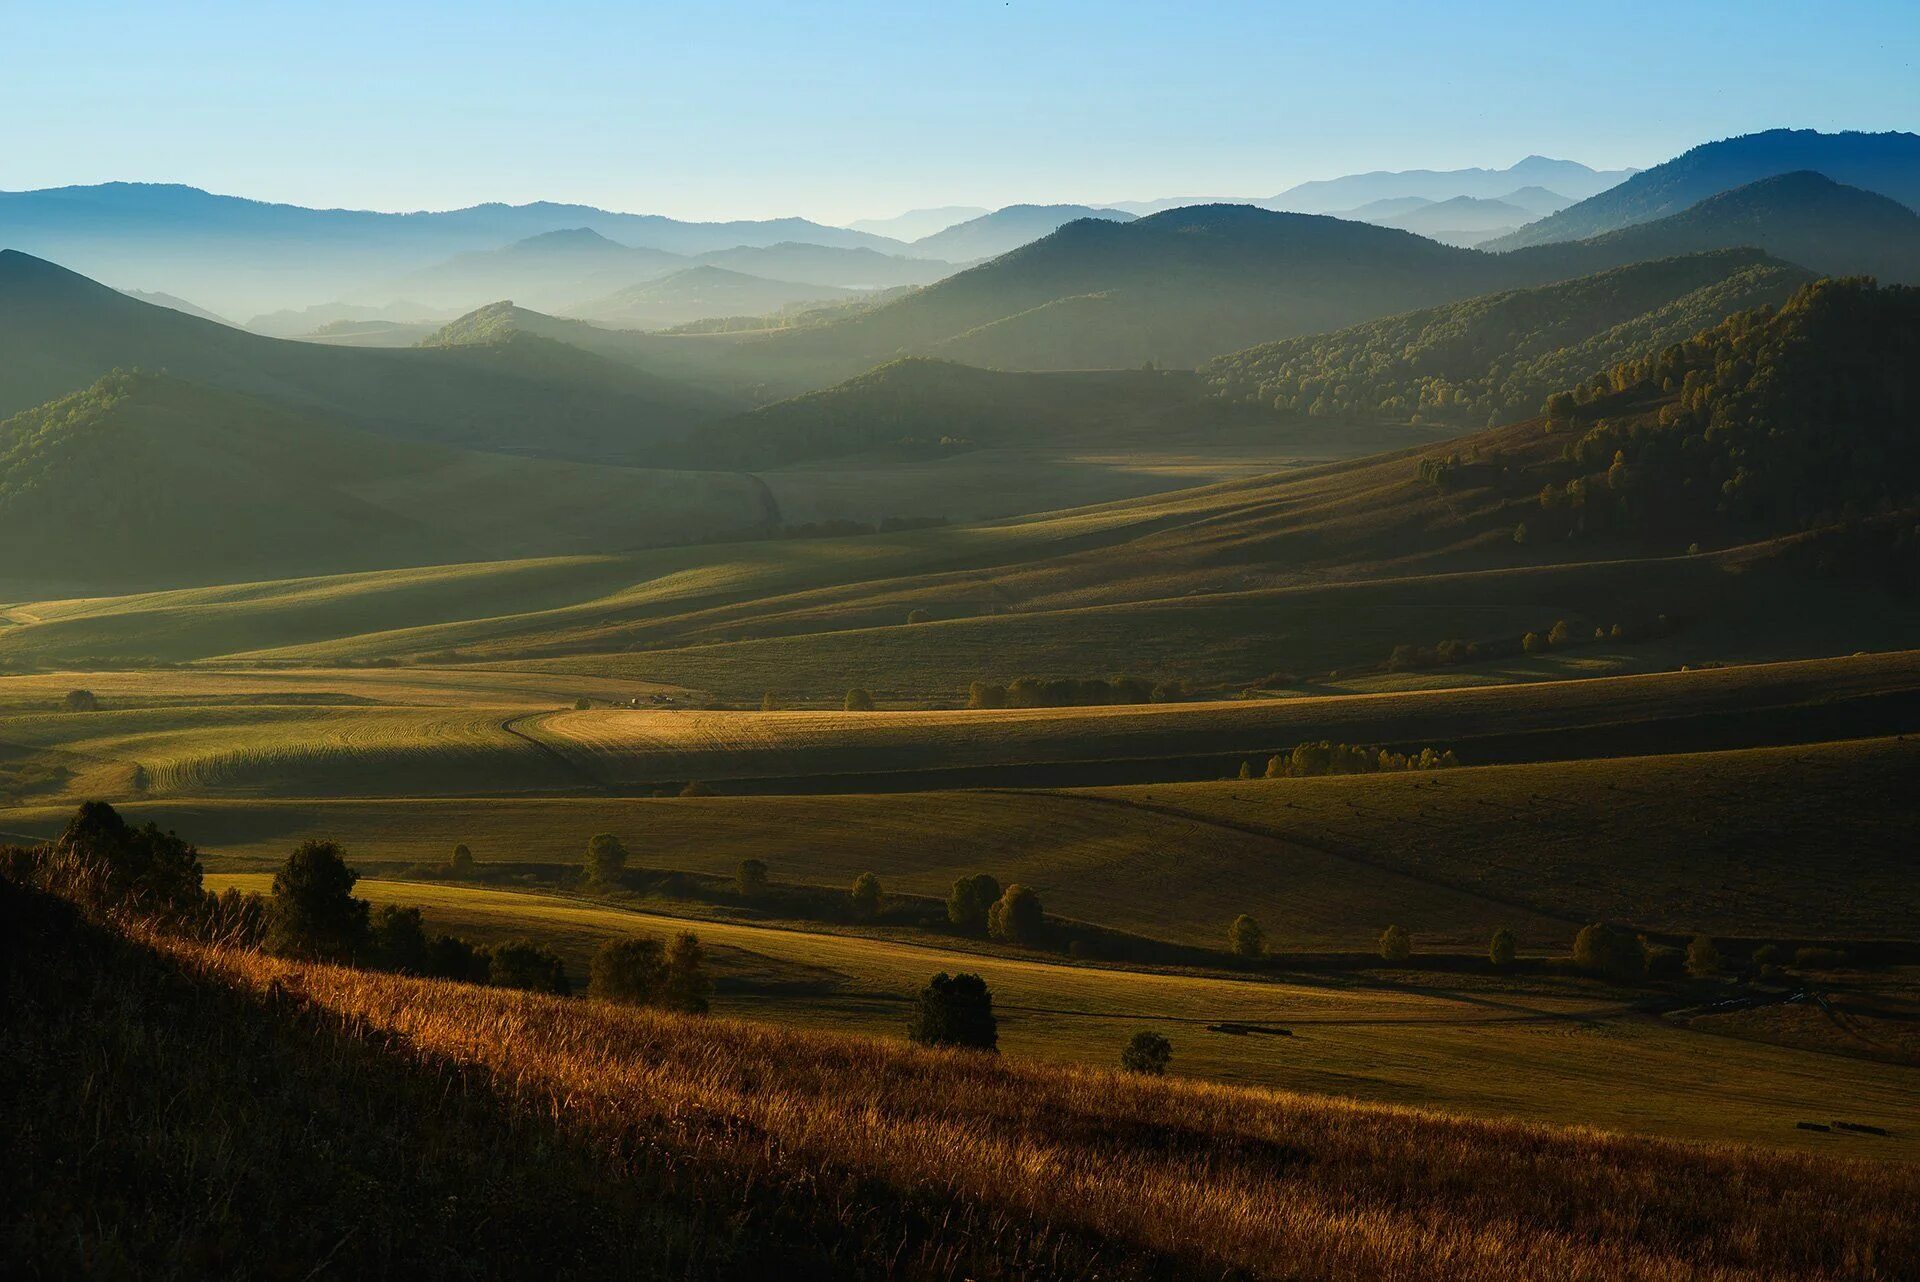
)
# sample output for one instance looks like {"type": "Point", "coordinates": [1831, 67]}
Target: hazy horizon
{"type": "Point", "coordinates": [761, 112]}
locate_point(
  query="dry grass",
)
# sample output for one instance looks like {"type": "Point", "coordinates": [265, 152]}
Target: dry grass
{"type": "Point", "coordinates": [1277, 1186]}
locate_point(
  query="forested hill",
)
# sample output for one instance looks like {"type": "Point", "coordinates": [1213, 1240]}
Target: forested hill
{"type": "Point", "coordinates": [1494, 358]}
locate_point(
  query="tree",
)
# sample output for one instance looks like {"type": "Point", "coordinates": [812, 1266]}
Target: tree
{"type": "Point", "coordinates": [866, 895]}
{"type": "Point", "coordinates": [400, 940]}
{"type": "Point", "coordinates": [462, 863]}
{"type": "Point", "coordinates": [1245, 938]}
{"type": "Point", "coordinates": [919, 616]}
{"type": "Point", "coordinates": [1017, 918]}
{"type": "Point", "coordinates": [1560, 634]}
{"type": "Point", "coordinates": [582, 704]}
{"type": "Point", "coordinates": [521, 963]}
{"type": "Point", "coordinates": [752, 876]}
{"type": "Point", "coordinates": [858, 700]}
{"type": "Point", "coordinates": [1503, 949]}
{"type": "Point", "coordinates": [687, 982]}
{"type": "Point", "coordinates": [451, 957]}
{"type": "Point", "coordinates": [955, 1010]}
{"type": "Point", "coordinates": [969, 900]}
{"type": "Point", "coordinates": [606, 859]}
{"type": "Point", "coordinates": [80, 701]}
{"type": "Point", "coordinates": [986, 694]}
{"type": "Point", "coordinates": [769, 702]}
{"type": "Point", "coordinates": [1520, 534]}
{"type": "Point", "coordinates": [146, 866]}
{"type": "Point", "coordinates": [695, 788]}
{"type": "Point", "coordinates": [1533, 643]}
{"type": "Point", "coordinates": [1246, 770]}
{"type": "Point", "coordinates": [633, 971]}
{"type": "Point", "coordinates": [1703, 959]}
{"type": "Point", "coordinates": [1610, 953]}
{"type": "Point", "coordinates": [313, 913]}
{"type": "Point", "coordinates": [1395, 945]}
{"type": "Point", "coordinates": [1148, 1053]}
{"type": "Point", "coordinates": [1560, 410]}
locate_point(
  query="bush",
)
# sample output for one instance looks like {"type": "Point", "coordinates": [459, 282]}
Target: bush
{"type": "Point", "coordinates": [1395, 945]}
{"type": "Point", "coordinates": [521, 963]}
{"type": "Point", "coordinates": [1503, 949]}
{"type": "Point", "coordinates": [695, 788]}
{"type": "Point", "coordinates": [985, 694]}
{"type": "Point", "coordinates": [234, 918]}
{"type": "Point", "coordinates": [633, 971]}
{"type": "Point", "coordinates": [955, 1010]}
{"type": "Point", "coordinates": [687, 982]}
{"type": "Point", "coordinates": [969, 901]}
{"type": "Point", "coordinates": [866, 895]}
{"type": "Point", "coordinates": [606, 859]}
{"type": "Point", "coordinates": [1766, 955]}
{"type": "Point", "coordinates": [400, 940]}
{"type": "Point", "coordinates": [313, 913]}
{"type": "Point", "coordinates": [1703, 959]}
{"type": "Point", "coordinates": [1611, 953]}
{"type": "Point", "coordinates": [919, 616]}
{"type": "Point", "coordinates": [462, 862]}
{"type": "Point", "coordinates": [752, 876]}
{"type": "Point", "coordinates": [582, 704]}
{"type": "Point", "coordinates": [1017, 918]}
{"type": "Point", "coordinates": [1245, 938]}
{"type": "Point", "coordinates": [1148, 1053]}
{"type": "Point", "coordinates": [857, 700]}
{"type": "Point", "coordinates": [769, 702]}
{"type": "Point", "coordinates": [1560, 634]}
{"type": "Point", "coordinates": [451, 957]}
{"type": "Point", "coordinates": [80, 701]}
{"type": "Point", "coordinates": [1818, 958]}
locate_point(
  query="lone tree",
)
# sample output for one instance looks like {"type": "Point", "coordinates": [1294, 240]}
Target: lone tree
{"type": "Point", "coordinates": [462, 860]}
{"type": "Point", "coordinates": [1148, 1053]}
{"type": "Point", "coordinates": [866, 895]}
{"type": "Point", "coordinates": [633, 971]}
{"type": "Point", "coordinates": [313, 914]}
{"type": "Point", "coordinates": [955, 1010]}
{"type": "Point", "coordinates": [1503, 948]}
{"type": "Point", "coordinates": [400, 940]}
{"type": "Point", "coordinates": [858, 700]}
{"type": "Point", "coordinates": [521, 963]}
{"type": "Point", "coordinates": [769, 702]}
{"type": "Point", "coordinates": [1017, 918]}
{"type": "Point", "coordinates": [1245, 939]}
{"type": "Point", "coordinates": [1611, 953]}
{"type": "Point", "coordinates": [1703, 959]}
{"type": "Point", "coordinates": [969, 901]}
{"type": "Point", "coordinates": [606, 859]}
{"type": "Point", "coordinates": [582, 704]}
{"type": "Point", "coordinates": [80, 701]}
{"type": "Point", "coordinates": [1395, 945]}
{"type": "Point", "coordinates": [752, 875]}
{"type": "Point", "coordinates": [687, 983]}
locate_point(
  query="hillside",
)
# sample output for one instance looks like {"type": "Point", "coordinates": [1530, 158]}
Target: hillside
{"type": "Point", "coordinates": [698, 293]}
{"type": "Point", "coordinates": [1464, 220]}
{"type": "Point", "coordinates": [177, 304]}
{"type": "Point", "coordinates": [990, 235]}
{"type": "Point", "coordinates": [843, 268]}
{"type": "Point", "coordinates": [1886, 163]}
{"type": "Point", "coordinates": [1494, 358]}
{"type": "Point", "coordinates": [145, 480]}
{"type": "Point", "coordinates": [60, 331]}
{"type": "Point", "coordinates": [916, 223]}
{"type": "Point", "coordinates": [546, 272]}
{"type": "Point", "coordinates": [1802, 217]}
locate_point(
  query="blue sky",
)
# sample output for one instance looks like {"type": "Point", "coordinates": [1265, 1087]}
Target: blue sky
{"type": "Point", "coordinates": [842, 110]}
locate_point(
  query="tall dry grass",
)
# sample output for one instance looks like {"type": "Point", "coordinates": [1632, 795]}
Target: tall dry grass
{"type": "Point", "coordinates": [1221, 1179]}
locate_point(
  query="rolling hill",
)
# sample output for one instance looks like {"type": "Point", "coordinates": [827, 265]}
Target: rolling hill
{"type": "Point", "coordinates": [144, 480]}
{"type": "Point", "coordinates": [546, 272]}
{"type": "Point", "coordinates": [60, 331]}
{"type": "Point", "coordinates": [844, 268]}
{"type": "Point", "coordinates": [1463, 220]}
{"type": "Point", "coordinates": [990, 235]}
{"type": "Point", "coordinates": [698, 293]}
{"type": "Point", "coordinates": [1494, 358]}
{"type": "Point", "coordinates": [916, 223]}
{"type": "Point", "coordinates": [1886, 163]}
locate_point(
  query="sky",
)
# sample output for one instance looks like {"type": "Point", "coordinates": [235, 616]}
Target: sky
{"type": "Point", "coordinates": [837, 111]}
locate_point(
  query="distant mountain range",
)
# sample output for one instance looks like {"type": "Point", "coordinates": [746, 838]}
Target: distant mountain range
{"type": "Point", "coordinates": [1886, 163]}
{"type": "Point", "coordinates": [991, 235]}
{"type": "Point", "coordinates": [1567, 177]}
{"type": "Point", "coordinates": [918, 223]}
{"type": "Point", "coordinates": [699, 293]}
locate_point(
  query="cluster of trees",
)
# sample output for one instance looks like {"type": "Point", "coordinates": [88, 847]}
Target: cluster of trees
{"type": "Point", "coordinates": [1491, 359]}
{"type": "Point", "coordinates": [1782, 418]}
{"type": "Point", "coordinates": [1326, 758]}
{"type": "Point", "coordinates": [957, 1011]}
{"type": "Point", "coordinates": [1073, 692]}
{"type": "Point", "coordinates": [978, 906]}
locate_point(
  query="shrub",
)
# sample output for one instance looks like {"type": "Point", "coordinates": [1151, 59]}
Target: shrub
{"type": "Point", "coordinates": [1533, 643]}
{"type": "Point", "coordinates": [1148, 1053]}
{"type": "Point", "coordinates": [633, 971]}
{"type": "Point", "coordinates": [1245, 938]}
{"type": "Point", "coordinates": [314, 915]}
{"type": "Point", "coordinates": [234, 918]}
{"type": "Point", "coordinates": [1503, 948]}
{"type": "Point", "coordinates": [1017, 918]}
{"type": "Point", "coordinates": [955, 1010]}
{"type": "Point", "coordinates": [1818, 958]}
{"type": "Point", "coordinates": [1766, 955]}
{"type": "Point", "coordinates": [1520, 535]}
{"type": "Point", "coordinates": [1395, 945]}
{"type": "Point", "coordinates": [1610, 953]}
{"type": "Point", "coordinates": [462, 862]}
{"type": "Point", "coordinates": [752, 876]}
{"type": "Point", "coordinates": [400, 940]}
{"type": "Point", "coordinates": [1703, 959]}
{"type": "Point", "coordinates": [451, 957]}
{"type": "Point", "coordinates": [582, 704]}
{"type": "Point", "coordinates": [687, 982]}
{"type": "Point", "coordinates": [858, 700]}
{"type": "Point", "coordinates": [521, 963]}
{"type": "Point", "coordinates": [970, 899]}
{"type": "Point", "coordinates": [866, 895]}
{"type": "Point", "coordinates": [985, 694]}
{"type": "Point", "coordinates": [769, 702]}
{"type": "Point", "coordinates": [80, 701]}
{"type": "Point", "coordinates": [695, 788]}
{"type": "Point", "coordinates": [1560, 634]}
{"type": "Point", "coordinates": [606, 859]}
{"type": "Point", "coordinates": [919, 616]}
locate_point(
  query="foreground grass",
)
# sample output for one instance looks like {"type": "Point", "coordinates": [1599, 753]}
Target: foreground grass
{"type": "Point", "coordinates": [840, 1133]}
